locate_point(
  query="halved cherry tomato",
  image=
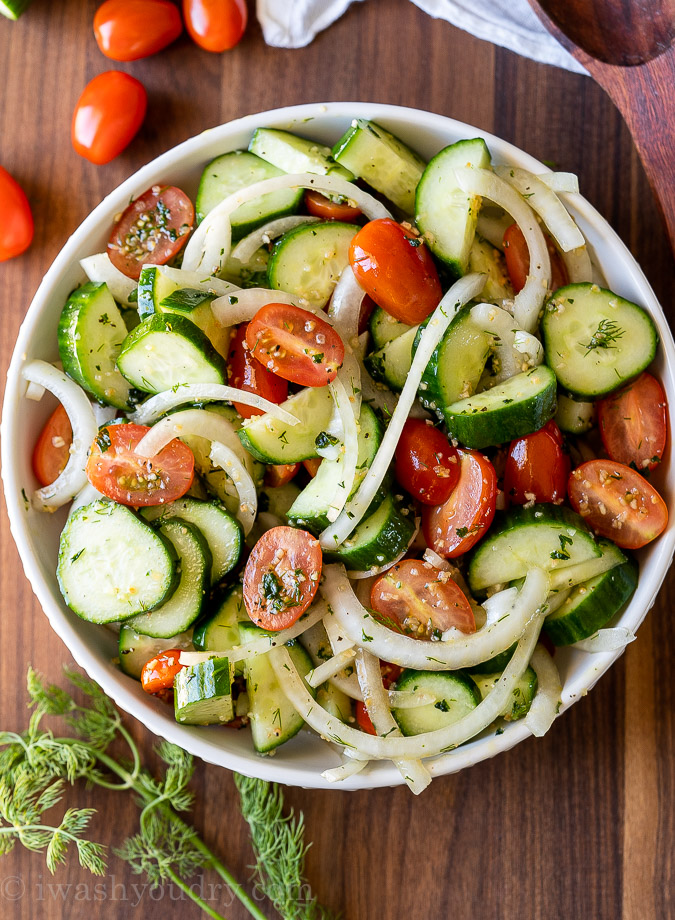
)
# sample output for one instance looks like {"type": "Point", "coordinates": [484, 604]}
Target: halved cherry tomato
{"type": "Point", "coordinates": [108, 114]}
{"type": "Point", "coordinates": [152, 229]}
{"type": "Point", "coordinates": [396, 269]}
{"type": "Point", "coordinates": [52, 448]}
{"type": "Point", "coordinates": [126, 30]}
{"type": "Point", "coordinates": [16, 223]}
{"type": "Point", "coordinates": [390, 674]}
{"type": "Point", "coordinates": [536, 468]}
{"type": "Point", "coordinates": [280, 473]}
{"type": "Point", "coordinates": [617, 503]}
{"type": "Point", "coordinates": [116, 470]}
{"type": "Point", "coordinates": [159, 673]}
{"type": "Point", "coordinates": [427, 465]}
{"type": "Point", "coordinates": [321, 206]}
{"type": "Point", "coordinates": [312, 465]}
{"type": "Point", "coordinates": [454, 527]}
{"type": "Point", "coordinates": [363, 719]}
{"type": "Point", "coordinates": [517, 257]}
{"type": "Point", "coordinates": [215, 25]}
{"type": "Point", "coordinates": [281, 577]}
{"type": "Point", "coordinates": [247, 373]}
{"type": "Point", "coordinates": [634, 424]}
{"type": "Point", "coordinates": [295, 344]}
{"type": "Point", "coordinates": [424, 600]}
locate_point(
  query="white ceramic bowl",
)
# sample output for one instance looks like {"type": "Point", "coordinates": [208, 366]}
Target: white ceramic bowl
{"type": "Point", "coordinates": [302, 760]}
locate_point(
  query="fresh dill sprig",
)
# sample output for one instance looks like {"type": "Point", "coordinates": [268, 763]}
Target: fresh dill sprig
{"type": "Point", "coordinates": [605, 335]}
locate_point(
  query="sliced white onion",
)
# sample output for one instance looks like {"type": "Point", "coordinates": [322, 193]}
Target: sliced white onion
{"type": "Point", "coordinates": [83, 423]}
{"type": "Point", "coordinates": [229, 462]}
{"type": "Point", "coordinates": [350, 766]}
{"type": "Point", "coordinates": [437, 561]}
{"type": "Point", "coordinates": [499, 605]}
{"type": "Point", "coordinates": [556, 599]}
{"type": "Point", "coordinates": [86, 496]}
{"type": "Point", "coordinates": [34, 391]}
{"type": "Point", "coordinates": [98, 268]}
{"type": "Point", "coordinates": [409, 699]}
{"type": "Point", "coordinates": [560, 181]}
{"type": "Point", "coordinates": [606, 640]}
{"type": "Point", "coordinates": [337, 638]}
{"type": "Point", "coordinates": [379, 569]}
{"type": "Point", "coordinates": [353, 512]}
{"type": "Point", "coordinates": [503, 328]}
{"type": "Point", "coordinates": [345, 306]}
{"type": "Point", "coordinates": [377, 394]}
{"type": "Point", "coordinates": [493, 229]}
{"type": "Point", "coordinates": [247, 248]}
{"type": "Point", "coordinates": [546, 701]}
{"type": "Point", "coordinates": [546, 204]}
{"type": "Point", "coordinates": [158, 405]}
{"type": "Point", "coordinates": [571, 575]}
{"type": "Point", "coordinates": [530, 346]}
{"type": "Point", "coordinates": [578, 265]}
{"type": "Point", "coordinates": [321, 673]}
{"type": "Point", "coordinates": [349, 450]}
{"type": "Point", "coordinates": [527, 303]}
{"type": "Point", "coordinates": [242, 306]}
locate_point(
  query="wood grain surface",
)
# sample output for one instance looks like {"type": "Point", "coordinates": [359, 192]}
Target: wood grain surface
{"type": "Point", "coordinates": [579, 825]}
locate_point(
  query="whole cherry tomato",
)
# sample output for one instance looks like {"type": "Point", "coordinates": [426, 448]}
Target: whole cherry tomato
{"type": "Point", "coordinates": [215, 25]}
{"type": "Point", "coordinates": [633, 423]}
{"type": "Point", "coordinates": [427, 465]}
{"type": "Point", "coordinates": [536, 468]}
{"type": "Point", "coordinates": [517, 257]}
{"type": "Point", "coordinates": [247, 373]}
{"type": "Point", "coordinates": [108, 114]}
{"type": "Point", "coordinates": [321, 206]}
{"type": "Point", "coordinates": [16, 220]}
{"type": "Point", "coordinates": [127, 30]}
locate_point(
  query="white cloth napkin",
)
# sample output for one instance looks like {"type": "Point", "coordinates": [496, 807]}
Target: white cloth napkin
{"type": "Point", "coordinates": [509, 23]}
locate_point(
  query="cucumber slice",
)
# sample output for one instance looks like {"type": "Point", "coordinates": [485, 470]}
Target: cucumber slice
{"type": "Point", "coordinates": [218, 631]}
{"type": "Point", "coordinates": [334, 701]}
{"type": "Point", "coordinates": [485, 258]}
{"type": "Point", "coordinates": [384, 328]}
{"type": "Point", "coordinates": [456, 696]}
{"type": "Point", "coordinates": [391, 364]}
{"type": "Point", "coordinates": [135, 650]}
{"type": "Point", "coordinates": [293, 154]}
{"type": "Point", "coordinates": [91, 334]}
{"type": "Point", "coordinates": [309, 260]}
{"type": "Point", "coordinates": [443, 212]}
{"type": "Point", "coordinates": [236, 170]}
{"type": "Point", "coordinates": [592, 605]}
{"type": "Point", "coordinates": [519, 406]}
{"type": "Point", "coordinates": [278, 499]}
{"type": "Point", "coordinates": [573, 416]}
{"type": "Point", "coordinates": [111, 565]}
{"type": "Point", "coordinates": [521, 695]}
{"type": "Point", "coordinates": [12, 9]}
{"type": "Point", "coordinates": [273, 441]}
{"type": "Point", "coordinates": [202, 693]}
{"type": "Point", "coordinates": [220, 530]}
{"type": "Point", "coordinates": [610, 556]}
{"type": "Point", "coordinates": [167, 350]}
{"type": "Point", "coordinates": [382, 160]}
{"type": "Point", "coordinates": [378, 539]}
{"type": "Point", "coordinates": [549, 536]}
{"type": "Point", "coordinates": [596, 341]}
{"type": "Point", "coordinates": [493, 665]}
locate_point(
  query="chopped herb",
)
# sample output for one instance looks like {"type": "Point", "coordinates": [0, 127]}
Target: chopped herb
{"type": "Point", "coordinates": [442, 706]}
{"type": "Point", "coordinates": [323, 440]}
{"type": "Point", "coordinates": [102, 440]}
{"type": "Point", "coordinates": [185, 300]}
{"type": "Point", "coordinates": [604, 336]}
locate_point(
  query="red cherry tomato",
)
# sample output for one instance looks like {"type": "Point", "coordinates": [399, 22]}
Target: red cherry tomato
{"type": "Point", "coordinates": [159, 673]}
{"type": "Point", "coordinates": [367, 307]}
{"type": "Point", "coordinates": [16, 222]}
{"type": "Point", "coordinates": [634, 424]}
{"type": "Point", "coordinates": [617, 503]}
{"type": "Point", "coordinates": [279, 474]}
{"type": "Point", "coordinates": [390, 674]}
{"type": "Point", "coordinates": [116, 470]}
{"type": "Point", "coordinates": [295, 344]}
{"type": "Point", "coordinates": [423, 600]}
{"type": "Point", "coordinates": [127, 30]}
{"type": "Point", "coordinates": [536, 468]}
{"type": "Point", "coordinates": [321, 206]}
{"type": "Point", "coordinates": [312, 465]}
{"type": "Point", "coordinates": [152, 229]}
{"type": "Point", "coordinates": [215, 25]}
{"type": "Point", "coordinates": [396, 269]}
{"type": "Point", "coordinates": [517, 257]}
{"type": "Point", "coordinates": [52, 448]}
{"type": "Point", "coordinates": [247, 373]}
{"type": "Point", "coordinates": [363, 719]}
{"type": "Point", "coordinates": [108, 114]}
{"type": "Point", "coordinates": [281, 577]}
{"type": "Point", "coordinates": [454, 527]}
{"type": "Point", "coordinates": [427, 465]}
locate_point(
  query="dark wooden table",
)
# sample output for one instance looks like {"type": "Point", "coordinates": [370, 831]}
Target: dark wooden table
{"type": "Point", "coordinates": [579, 825]}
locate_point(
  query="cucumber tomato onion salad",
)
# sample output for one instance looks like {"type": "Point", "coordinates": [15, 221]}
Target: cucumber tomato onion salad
{"type": "Point", "coordinates": [353, 442]}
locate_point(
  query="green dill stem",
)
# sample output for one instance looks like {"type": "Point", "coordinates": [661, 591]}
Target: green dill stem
{"type": "Point", "coordinates": [178, 881]}
{"type": "Point", "coordinates": [232, 883]}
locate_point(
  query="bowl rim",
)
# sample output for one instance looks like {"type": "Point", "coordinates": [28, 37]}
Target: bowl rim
{"type": "Point", "coordinates": [379, 774]}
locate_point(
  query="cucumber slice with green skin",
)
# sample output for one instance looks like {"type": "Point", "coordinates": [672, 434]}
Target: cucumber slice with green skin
{"type": "Point", "coordinates": [519, 406]}
{"type": "Point", "coordinates": [112, 566]}
{"type": "Point", "coordinates": [236, 170]}
{"type": "Point", "coordinates": [309, 260]}
{"type": "Point", "coordinates": [335, 702]}
{"type": "Point", "coordinates": [592, 605]}
{"type": "Point", "coordinates": [456, 696]}
{"type": "Point", "coordinates": [521, 695]}
{"type": "Point", "coordinates": [445, 214]}
{"type": "Point", "coordinates": [278, 499]}
{"type": "Point", "coordinates": [391, 364]}
{"type": "Point", "coordinates": [610, 556]}
{"type": "Point", "coordinates": [135, 650]}
{"type": "Point", "coordinates": [483, 257]}
{"type": "Point", "coordinates": [218, 631]}
{"type": "Point", "coordinates": [384, 328]}
{"type": "Point", "coordinates": [549, 536]}
{"type": "Point", "coordinates": [202, 693]}
{"type": "Point", "coordinates": [493, 665]}
{"type": "Point", "coordinates": [12, 9]}
{"type": "Point", "coordinates": [273, 441]}
{"type": "Point", "coordinates": [378, 539]}
{"type": "Point", "coordinates": [167, 350]}
{"type": "Point", "coordinates": [91, 334]}
{"type": "Point", "coordinates": [293, 154]}
{"type": "Point", "coordinates": [220, 530]}
{"type": "Point", "coordinates": [594, 340]}
{"type": "Point", "coordinates": [573, 416]}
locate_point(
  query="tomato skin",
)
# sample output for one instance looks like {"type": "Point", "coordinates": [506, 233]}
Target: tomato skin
{"type": "Point", "coordinates": [16, 226]}
{"type": "Point", "coordinates": [633, 423]}
{"type": "Point", "coordinates": [52, 448]}
{"type": "Point", "coordinates": [536, 468]}
{"type": "Point", "coordinates": [295, 344]}
{"type": "Point", "coordinates": [215, 25]}
{"type": "Point", "coordinates": [319, 205]}
{"type": "Point", "coordinates": [108, 114]}
{"type": "Point", "coordinates": [427, 465]}
{"type": "Point", "coordinates": [454, 527]}
{"type": "Point", "coordinates": [517, 257]}
{"type": "Point", "coordinates": [247, 373]}
{"type": "Point", "coordinates": [363, 719]}
{"type": "Point", "coordinates": [312, 465]}
{"type": "Point", "coordinates": [279, 474]}
{"type": "Point", "coordinates": [152, 229]}
{"type": "Point", "coordinates": [119, 473]}
{"type": "Point", "coordinates": [127, 30]}
{"type": "Point", "coordinates": [617, 503]}
{"type": "Point", "coordinates": [159, 673]}
{"type": "Point", "coordinates": [396, 270]}
{"type": "Point", "coordinates": [281, 577]}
